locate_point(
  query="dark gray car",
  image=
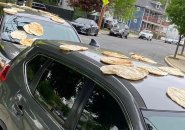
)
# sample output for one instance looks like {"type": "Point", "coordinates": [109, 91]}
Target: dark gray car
{"type": "Point", "coordinates": [120, 29]}
{"type": "Point", "coordinates": [10, 47]}
{"type": "Point", "coordinates": [86, 26]}
{"type": "Point", "coordinates": [44, 88]}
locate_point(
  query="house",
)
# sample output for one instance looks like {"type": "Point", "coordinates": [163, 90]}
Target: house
{"type": "Point", "coordinates": [149, 15]}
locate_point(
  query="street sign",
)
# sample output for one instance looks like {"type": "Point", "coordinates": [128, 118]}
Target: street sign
{"type": "Point", "coordinates": [105, 2]}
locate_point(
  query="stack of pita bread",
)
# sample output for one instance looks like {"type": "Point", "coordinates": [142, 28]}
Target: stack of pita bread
{"type": "Point", "coordinates": [142, 58]}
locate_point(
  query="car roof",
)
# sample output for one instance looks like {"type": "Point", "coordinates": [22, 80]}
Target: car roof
{"type": "Point", "coordinates": [151, 91]}
{"type": "Point", "coordinates": [34, 14]}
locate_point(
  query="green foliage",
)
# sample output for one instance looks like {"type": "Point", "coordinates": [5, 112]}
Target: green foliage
{"type": "Point", "coordinates": [176, 14]}
{"type": "Point", "coordinates": [124, 8]}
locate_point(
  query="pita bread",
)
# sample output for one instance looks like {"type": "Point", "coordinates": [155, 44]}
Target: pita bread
{"type": "Point", "coordinates": [57, 19]}
{"type": "Point", "coordinates": [177, 95]}
{"type": "Point", "coordinates": [10, 11]}
{"type": "Point", "coordinates": [27, 29]}
{"type": "Point", "coordinates": [72, 48]}
{"type": "Point", "coordinates": [172, 71]}
{"type": "Point", "coordinates": [36, 29]}
{"type": "Point", "coordinates": [116, 61]}
{"type": "Point", "coordinates": [142, 58]}
{"type": "Point", "coordinates": [18, 35]}
{"type": "Point", "coordinates": [129, 73]}
{"type": "Point", "coordinates": [114, 54]}
{"type": "Point", "coordinates": [27, 42]}
{"type": "Point", "coordinates": [154, 70]}
{"type": "Point", "coordinates": [18, 9]}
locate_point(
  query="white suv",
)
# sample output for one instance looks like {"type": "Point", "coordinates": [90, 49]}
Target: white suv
{"type": "Point", "coordinates": [146, 34]}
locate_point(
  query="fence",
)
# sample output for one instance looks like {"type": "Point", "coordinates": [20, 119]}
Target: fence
{"type": "Point", "coordinates": [63, 13]}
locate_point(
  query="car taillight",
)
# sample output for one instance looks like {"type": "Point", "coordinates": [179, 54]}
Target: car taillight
{"type": "Point", "coordinates": [4, 72]}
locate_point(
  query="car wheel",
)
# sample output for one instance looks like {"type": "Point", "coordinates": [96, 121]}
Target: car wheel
{"type": "Point", "coordinates": [122, 35]}
{"type": "Point", "coordinates": [89, 32]}
{"type": "Point", "coordinates": [126, 36]}
{"type": "Point", "coordinates": [96, 34]}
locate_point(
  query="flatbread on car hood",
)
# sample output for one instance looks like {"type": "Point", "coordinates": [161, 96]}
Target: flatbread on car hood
{"type": "Point", "coordinates": [72, 48]}
{"type": "Point", "coordinates": [114, 54]}
{"type": "Point", "coordinates": [10, 11]}
{"type": "Point", "coordinates": [154, 70]}
{"type": "Point", "coordinates": [172, 71]}
{"type": "Point", "coordinates": [27, 42]}
{"type": "Point", "coordinates": [129, 73]}
{"type": "Point", "coordinates": [116, 61]}
{"type": "Point", "coordinates": [142, 58]}
{"type": "Point", "coordinates": [177, 95]}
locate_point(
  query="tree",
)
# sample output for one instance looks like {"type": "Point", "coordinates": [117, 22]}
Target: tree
{"type": "Point", "coordinates": [86, 5]}
{"type": "Point", "coordinates": [176, 14]}
{"type": "Point", "coordinates": [123, 8]}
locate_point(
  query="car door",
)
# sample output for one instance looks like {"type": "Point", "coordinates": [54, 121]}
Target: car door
{"type": "Point", "coordinates": [58, 91]}
{"type": "Point", "coordinates": [93, 27]}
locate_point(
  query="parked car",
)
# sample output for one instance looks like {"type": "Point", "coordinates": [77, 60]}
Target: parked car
{"type": "Point", "coordinates": [10, 47]}
{"type": "Point", "coordinates": [86, 26]}
{"type": "Point", "coordinates": [109, 23]}
{"type": "Point", "coordinates": [35, 5]}
{"type": "Point", "coordinates": [120, 29]}
{"type": "Point", "coordinates": [171, 40]}
{"type": "Point", "coordinates": [146, 34]}
{"type": "Point", "coordinates": [46, 89]}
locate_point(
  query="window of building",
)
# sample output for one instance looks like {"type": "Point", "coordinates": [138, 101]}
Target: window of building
{"type": "Point", "coordinates": [102, 112]}
{"type": "Point", "coordinates": [138, 8]}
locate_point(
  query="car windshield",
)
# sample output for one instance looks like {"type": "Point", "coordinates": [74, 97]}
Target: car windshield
{"type": "Point", "coordinates": [120, 25]}
{"type": "Point", "coordinates": [83, 21]}
{"type": "Point", "coordinates": [164, 120]}
{"type": "Point", "coordinates": [51, 31]}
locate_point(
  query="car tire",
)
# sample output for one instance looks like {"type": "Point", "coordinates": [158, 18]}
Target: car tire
{"type": "Point", "coordinates": [89, 32]}
{"type": "Point", "coordinates": [126, 37]}
{"type": "Point", "coordinates": [122, 35]}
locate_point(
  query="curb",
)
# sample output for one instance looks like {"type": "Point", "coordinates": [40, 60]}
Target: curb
{"type": "Point", "coordinates": [168, 63]}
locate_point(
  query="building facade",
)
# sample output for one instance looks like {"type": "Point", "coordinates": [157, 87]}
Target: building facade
{"type": "Point", "coordinates": [149, 15]}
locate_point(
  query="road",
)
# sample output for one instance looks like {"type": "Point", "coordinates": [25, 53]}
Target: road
{"type": "Point", "coordinates": [156, 50]}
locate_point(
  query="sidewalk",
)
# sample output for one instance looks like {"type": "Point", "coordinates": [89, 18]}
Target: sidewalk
{"type": "Point", "coordinates": [179, 62]}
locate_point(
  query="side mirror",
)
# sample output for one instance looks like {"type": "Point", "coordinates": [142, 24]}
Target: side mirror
{"type": "Point", "coordinates": [94, 43]}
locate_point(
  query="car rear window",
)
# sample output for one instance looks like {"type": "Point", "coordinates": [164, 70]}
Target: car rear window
{"type": "Point", "coordinates": [52, 31]}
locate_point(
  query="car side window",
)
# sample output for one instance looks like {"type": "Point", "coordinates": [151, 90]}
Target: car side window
{"type": "Point", "coordinates": [33, 66]}
{"type": "Point", "coordinates": [102, 112]}
{"type": "Point", "coordinates": [58, 89]}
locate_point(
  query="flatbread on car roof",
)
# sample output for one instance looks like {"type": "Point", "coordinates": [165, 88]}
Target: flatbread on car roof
{"type": "Point", "coordinates": [116, 61]}
{"type": "Point", "coordinates": [114, 54]}
{"type": "Point", "coordinates": [18, 9]}
{"type": "Point", "coordinates": [36, 29]}
{"type": "Point", "coordinates": [177, 95]}
{"type": "Point", "coordinates": [172, 71]}
{"type": "Point", "coordinates": [18, 35]}
{"type": "Point", "coordinates": [129, 73]}
{"type": "Point", "coordinates": [27, 42]}
{"type": "Point", "coordinates": [10, 11]}
{"type": "Point", "coordinates": [154, 70]}
{"type": "Point", "coordinates": [57, 19]}
{"type": "Point", "coordinates": [142, 58]}
{"type": "Point", "coordinates": [66, 47]}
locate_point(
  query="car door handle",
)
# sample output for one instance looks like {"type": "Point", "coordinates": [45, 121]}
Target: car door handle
{"type": "Point", "coordinates": [18, 109]}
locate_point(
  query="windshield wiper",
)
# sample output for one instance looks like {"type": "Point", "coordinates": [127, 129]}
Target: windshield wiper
{"type": "Point", "coordinates": [7, 40]}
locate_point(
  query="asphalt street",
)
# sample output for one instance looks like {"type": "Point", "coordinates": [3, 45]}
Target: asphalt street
{"type": "Point", "coordinates": [155, 49]}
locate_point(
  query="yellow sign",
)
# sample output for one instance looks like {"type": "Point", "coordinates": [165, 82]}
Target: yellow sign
{"type": "Point", "coordinates": [105, 2]}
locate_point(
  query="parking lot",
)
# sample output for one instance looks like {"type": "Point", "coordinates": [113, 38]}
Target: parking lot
{"type": "Point", "coordinates": [154, 49]}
